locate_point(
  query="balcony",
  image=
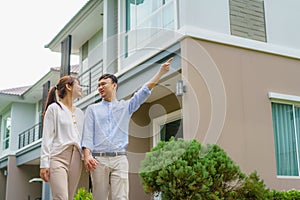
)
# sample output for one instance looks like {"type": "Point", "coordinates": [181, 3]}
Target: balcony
{"type": "Point", "coordinates": [89, 78]}
{"type": "Point", "coordinates": [30, 135]}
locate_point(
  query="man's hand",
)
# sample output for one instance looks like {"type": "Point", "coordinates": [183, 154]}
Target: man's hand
{"type": "Point", "coordinates": [90, 163]}
{"type": "Point", "coordinates": [45, 174]}
{"type": "Point", "coordinates": [164, 68]}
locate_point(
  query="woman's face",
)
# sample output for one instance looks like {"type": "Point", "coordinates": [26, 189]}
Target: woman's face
{"type": "Point", "coordinates": [76, 91]}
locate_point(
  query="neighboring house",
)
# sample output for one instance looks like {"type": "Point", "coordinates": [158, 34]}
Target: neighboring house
{"type": "Point", "coordinates": [21, 131]}
{"type": "Point", "coordinates": [237, 59]}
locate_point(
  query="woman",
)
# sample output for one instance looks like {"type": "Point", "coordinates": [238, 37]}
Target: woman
{"type": "Point", "coordinates": [62, 129]}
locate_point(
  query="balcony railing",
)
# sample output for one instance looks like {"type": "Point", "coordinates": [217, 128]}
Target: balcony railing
{"type": "Point", "coordinates": [30, 135]}
{"type": "Point", "coordinates": [89, 78]}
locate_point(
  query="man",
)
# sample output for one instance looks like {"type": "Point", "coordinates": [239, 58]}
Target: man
{"type": "Point", "coordinates": [105, 136]}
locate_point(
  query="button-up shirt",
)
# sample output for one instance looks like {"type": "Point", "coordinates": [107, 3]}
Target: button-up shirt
{"type": "Point", "coordinates": [106, 123]}
{"type": "Point", "coordinates": [62, 128]}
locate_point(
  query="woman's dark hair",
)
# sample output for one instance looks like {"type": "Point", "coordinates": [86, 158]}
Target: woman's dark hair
{"type": "Point", "coordinates": [61, 91]}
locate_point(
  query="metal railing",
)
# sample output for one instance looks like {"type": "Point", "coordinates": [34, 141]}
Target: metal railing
{"type": "Point", "coordinates": [89, 78]}
{"type": "Point", "coordinates": [30, 135]}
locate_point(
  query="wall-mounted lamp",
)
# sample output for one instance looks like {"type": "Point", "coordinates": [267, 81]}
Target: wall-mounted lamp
{"type": "Point", "coordinates": [5, 172]}
{"type": "Point", "coordinates": [35, 180]}
{"type": "Point", "coordinates": [180, 88]}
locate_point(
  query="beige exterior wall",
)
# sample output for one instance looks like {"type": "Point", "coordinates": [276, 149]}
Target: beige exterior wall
{"type": "Point", "coordinates": [17, 185]}
{"type": "Point", "coordinates": [227, 102]}
{"type": "Point", "coordinates": [2, 184]}
{"type": "Point", "coordinates": [140, 138]}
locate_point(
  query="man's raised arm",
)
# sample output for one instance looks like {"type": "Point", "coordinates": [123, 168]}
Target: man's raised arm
{"type": "Point", "coordinates": [164, 68]}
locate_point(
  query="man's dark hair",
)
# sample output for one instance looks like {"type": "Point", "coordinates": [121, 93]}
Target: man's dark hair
{"type": "Point", "coordinates": [111, 76]}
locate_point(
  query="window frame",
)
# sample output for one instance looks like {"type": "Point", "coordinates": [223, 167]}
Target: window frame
{"type": "Point", "coordinates": [293, 101]}
{"type": "Point", "coordinates": [4, 138]}
{"type": "Point", "coordinates": [162, 120]}
{"type": "Point", "coordinates": [129, 29]}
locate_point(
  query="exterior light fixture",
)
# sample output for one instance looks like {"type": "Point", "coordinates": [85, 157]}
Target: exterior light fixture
{"type": "Point", "coordinates": [180, 88]}
{"type": "Point", "coordinates": [35, 180]}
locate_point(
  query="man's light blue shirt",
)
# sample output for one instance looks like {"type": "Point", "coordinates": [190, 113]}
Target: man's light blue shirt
{"type": "Point", "coordinates": [106, 123]}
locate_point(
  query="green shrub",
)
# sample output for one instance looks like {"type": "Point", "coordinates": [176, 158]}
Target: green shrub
{"type": "Point", "coordinates": [286, 195]}
{"type": "Point", "coordinates": [82, 194]}
{"type": "Point", "coordinates": [181, 169]}
{"type": "Point", "coordinates": [187, 170]}
{"type": "Point", "coordinates": [253, 188]}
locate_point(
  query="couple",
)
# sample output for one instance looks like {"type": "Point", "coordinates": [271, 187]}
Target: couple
{"type": "Point", "coordinates": [102, 134]}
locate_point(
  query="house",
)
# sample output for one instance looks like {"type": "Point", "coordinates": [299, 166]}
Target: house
{"type": "Point", "coordinates": [234, 78]}
{"type": "Point", "coordinates": [21, 131]}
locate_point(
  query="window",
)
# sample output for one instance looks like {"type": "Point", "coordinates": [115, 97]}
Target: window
{"type": "Point", "coordinates": [144, 21]}
{"type": "Point", "coordinates": [166, 126]}
{"type": "Point", "coordinates": [6, 132]}
{"type": "Point", "coordinates": [173, 128]}
{"type": "Point", "coordinates": [286, 124]}
{"type": "Point", "coordinates": [85, 50]}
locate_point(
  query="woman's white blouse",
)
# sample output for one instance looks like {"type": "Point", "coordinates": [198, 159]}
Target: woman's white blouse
{"type": "Point", "coordinates": [61, 128]}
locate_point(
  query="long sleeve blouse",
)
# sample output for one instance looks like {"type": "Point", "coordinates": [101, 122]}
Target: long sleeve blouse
{"type": "Point", "coordinates": [61, 128]}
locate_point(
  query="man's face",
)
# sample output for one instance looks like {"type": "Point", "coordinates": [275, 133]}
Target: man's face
{"type": "Point", "coordinates": [106, 88]}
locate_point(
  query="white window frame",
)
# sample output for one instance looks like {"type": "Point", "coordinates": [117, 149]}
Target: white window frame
{"type": "Point", "coordinates": [126, 63]}
{"type": "Point", "coordinates": [159, 121]}
{"type": "Point", "coordinates": [289, 100]}
{"type": "Point", "coordinates": [3, 129]}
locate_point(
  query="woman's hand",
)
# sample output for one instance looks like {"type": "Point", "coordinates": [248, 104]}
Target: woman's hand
{"type": "Point", "coordinates": [90, 163]}
{"type": "Point", "coordinates": [45, 174]}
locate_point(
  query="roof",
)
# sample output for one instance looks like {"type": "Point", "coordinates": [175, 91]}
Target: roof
{"type": "Point", "coordinates": [81, 27]}
{"type": "Point", "coordinates": [74, 68]}
{"type": "Point", "coordinates": [18, 91]}
{"type": "Point", "coordinates": [15, 91]}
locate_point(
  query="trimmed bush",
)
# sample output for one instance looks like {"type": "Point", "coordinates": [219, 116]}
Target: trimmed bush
{"type": "Point", "coordinates": [286, 195]}
{"type": "Point", "coordinates": [181, 169]}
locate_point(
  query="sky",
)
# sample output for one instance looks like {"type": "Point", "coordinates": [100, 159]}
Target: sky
{"type": "Point", "coordinates": [26, 27]}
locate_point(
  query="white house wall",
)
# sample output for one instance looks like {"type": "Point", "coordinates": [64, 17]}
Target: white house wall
{"type": "Point", "coordinates": [210, 15]}
{"type": "Point", "coordinates": [95, 48]}
{"type": "Point", "coordinates": [23, 117]}
{"type": "Point", "coordinates": [282, 22]}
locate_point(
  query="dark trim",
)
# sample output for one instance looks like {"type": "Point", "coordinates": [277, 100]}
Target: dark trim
{"type": "Point", "coordinates": [66, 56]}
{"type": "Point", "coordinates": [162, 56]}
{"type": "Point", "coordinates": [136, 77]}
{"type": "Point", "coordinates": [28, 154]}
{"type": "Point", "coordinates": [3, 162]}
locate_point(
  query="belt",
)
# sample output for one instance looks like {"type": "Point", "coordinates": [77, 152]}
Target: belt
{"type": "Point", "coordinates": [111, 154]}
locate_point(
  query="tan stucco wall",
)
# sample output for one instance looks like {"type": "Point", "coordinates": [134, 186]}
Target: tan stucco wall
{"type": "Point", "coordinates": [2, 184]}
{"type": "Point", "coordinates": [18, 186]}
{"type": "Point", "coordinates": [227, 102]}
{"type": "Point", "coordinates": [140, 138]}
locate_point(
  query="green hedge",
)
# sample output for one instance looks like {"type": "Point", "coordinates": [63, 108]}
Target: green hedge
{"type": "Point", "coordinates": [181, 169]}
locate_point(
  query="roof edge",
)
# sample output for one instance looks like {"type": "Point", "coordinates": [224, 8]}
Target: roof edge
{"type": "Point", "coordinates": [73, 23]}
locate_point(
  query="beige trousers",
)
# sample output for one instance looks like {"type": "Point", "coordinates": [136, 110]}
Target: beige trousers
{"type": "Point", "coordinates": [111, 177]}
{"type": "Point", "coordinates": [65, 170]}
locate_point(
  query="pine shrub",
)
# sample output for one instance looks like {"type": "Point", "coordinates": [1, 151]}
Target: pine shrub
{"type": "Point", "coordinates": [181, 169]}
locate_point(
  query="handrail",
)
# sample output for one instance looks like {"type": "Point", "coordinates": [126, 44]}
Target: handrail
{"type": "Point", "coordinates": [30, 135]}
{"type": "Point", "coordinates": [89, 78]}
